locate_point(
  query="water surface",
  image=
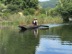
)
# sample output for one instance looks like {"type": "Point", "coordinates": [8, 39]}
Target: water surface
{"type": "Point", "coordinates": [55, 40]}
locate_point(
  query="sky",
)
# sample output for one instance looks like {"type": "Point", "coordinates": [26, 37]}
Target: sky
{"type": "Point", "coordinates": [43, 0]}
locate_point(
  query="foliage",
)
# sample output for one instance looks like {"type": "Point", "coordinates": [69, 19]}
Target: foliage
{"type": "Point", "coordinates": [64, 8]}
{"type": "Point", "coordinates": [23, 3]}
{"type": "Point", "coordinates": [53, 12]}
{"type": "Point", "coordinates": [43, 11]}
{"type": "Point", "coordinates": [2, 6]}
{"type": "Point", "coordinates": [19, 5]}
{"type": "Point", "coordinates": [29, 11]}
{"type": "Point", "coordinates": [12, 8]}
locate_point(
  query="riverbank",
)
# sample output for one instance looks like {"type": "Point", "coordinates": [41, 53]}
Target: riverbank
{"type": "Point", "coordinates": [17, 19]}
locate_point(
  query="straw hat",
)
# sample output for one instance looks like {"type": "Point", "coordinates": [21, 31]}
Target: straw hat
{"type": "Point", "coordinates": [35, 18]}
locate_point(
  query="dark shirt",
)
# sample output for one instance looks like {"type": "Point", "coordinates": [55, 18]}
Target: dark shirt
{"type": "Point", "coordinates": [34, 22]}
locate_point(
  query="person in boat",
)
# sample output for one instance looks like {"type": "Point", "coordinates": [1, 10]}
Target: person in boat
{"type": "Point", "coordinates": [35, 22]}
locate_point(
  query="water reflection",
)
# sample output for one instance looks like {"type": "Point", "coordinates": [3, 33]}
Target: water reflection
{"type": "Point", "coordinates": [50, 46]}
{"type": "Point", "coordinates": [14, 42]}
{"type": "Point", "coordinates": [58, 40]}
{"type": "Point", "coordinates": [20, 31]}
{"type": "Point", "coordinates": [35, 32]}
{"type": "Point", "coordinates": [55, 40]}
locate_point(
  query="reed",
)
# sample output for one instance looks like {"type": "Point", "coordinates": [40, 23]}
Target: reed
{"type": "Point", "coordinates": [16, 19]}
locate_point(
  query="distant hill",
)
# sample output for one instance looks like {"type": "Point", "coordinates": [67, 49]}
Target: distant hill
{"type": "Point", "coordinates": [46, 4]}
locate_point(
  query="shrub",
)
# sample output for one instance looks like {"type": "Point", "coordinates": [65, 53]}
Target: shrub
{"type": "Point", "coordinates": [29, 11]}
{"type": "Point", "coordinates": [13, 8]}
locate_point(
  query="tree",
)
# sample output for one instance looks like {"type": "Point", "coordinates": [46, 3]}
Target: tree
{"type": "Point", "coordinates": [64, 7]}
{"type": "Point", "coordinates": [20, 4]}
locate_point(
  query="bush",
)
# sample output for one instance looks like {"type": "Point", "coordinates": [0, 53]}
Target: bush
{"type": "Point", "coordinates": [29, 11]}
{"type": "Point", "coordinates": [2, 7]}
{"type": "Point", "coordinates": [12, 8]}
{"type": "Point", "coordinates": [43, 11]}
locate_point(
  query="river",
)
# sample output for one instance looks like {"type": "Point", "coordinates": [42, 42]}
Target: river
{"type": "Point", "coordinates": [55, 40]}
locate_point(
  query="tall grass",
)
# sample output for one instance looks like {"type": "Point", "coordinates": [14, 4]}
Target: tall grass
{"type": "Point", "coordinates": [17, 19]}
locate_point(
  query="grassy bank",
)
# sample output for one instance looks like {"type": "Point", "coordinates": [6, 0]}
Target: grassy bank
{"type": "Point", "coordinates": [17, 19]}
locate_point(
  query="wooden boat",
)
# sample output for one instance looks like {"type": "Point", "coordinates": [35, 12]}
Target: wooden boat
{"type": "Point", "coordinates": [32, 27]}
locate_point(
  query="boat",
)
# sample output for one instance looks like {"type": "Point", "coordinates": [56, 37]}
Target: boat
{"type": "Point", "coordinates": [33, 27]}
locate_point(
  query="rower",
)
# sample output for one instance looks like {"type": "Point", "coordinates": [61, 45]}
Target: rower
{"type": "Point", "coordinates": [35, 22]}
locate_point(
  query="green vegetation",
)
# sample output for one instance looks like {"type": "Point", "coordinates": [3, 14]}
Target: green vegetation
{"type": "Point", "coordinates": [15, 6]}
{"type": "Point", "coordinates": [23, 11]}
{"type": "Point", "coordinates": [16, 19]}
{"type": "Point", "coordinates": [64, 8]}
